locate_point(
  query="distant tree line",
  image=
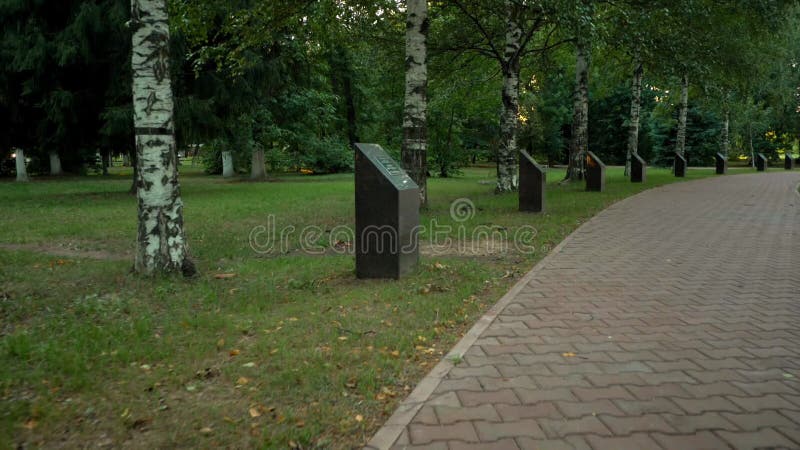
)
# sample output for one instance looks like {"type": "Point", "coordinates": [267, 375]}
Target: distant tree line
{"type": "Point", "coordinates": [291, 85]}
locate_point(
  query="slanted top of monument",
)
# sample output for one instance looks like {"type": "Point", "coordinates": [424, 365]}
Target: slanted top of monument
{"type": "Point", "coordinates": [387, 166]}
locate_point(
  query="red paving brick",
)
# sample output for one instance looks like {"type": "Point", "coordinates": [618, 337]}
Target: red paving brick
{"type": "Point", "coordinates": [683, 305]}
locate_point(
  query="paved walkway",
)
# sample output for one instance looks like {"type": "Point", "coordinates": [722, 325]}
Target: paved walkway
{"type": "Point", "coordinates": [671, 320]}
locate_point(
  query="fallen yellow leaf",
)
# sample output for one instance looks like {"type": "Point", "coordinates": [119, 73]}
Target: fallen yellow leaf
{"type": "Point", "coordinates": [242, 380]}
{"type": "Point", "coordinates": [359, 418]}
{"type": "Point", "coordinates": [569, 355]}
{"type": "Point", "coordinates": [254, 412]}
{"type": "Point", "coordinates": [234, 352]}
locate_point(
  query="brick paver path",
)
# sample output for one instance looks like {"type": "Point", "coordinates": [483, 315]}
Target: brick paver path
{"type": "Point", "coordinates": [681, 307]}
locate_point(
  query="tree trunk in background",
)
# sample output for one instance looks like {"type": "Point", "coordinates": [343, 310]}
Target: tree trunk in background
{"type": "Point", "coordinates": [415, 106]}
{"type": "Point", "coordinates": [726, 140]}
{"type": "Point", "coordinates": [507, 180]}
{"type": "Point", "coordinates": [257, 169]}
{"type": "Point", "coordinates": [161, 244]}
{"type": "Point", "coordinates": [22, 170]}
{"type": "Point", "coordinates": [105, 161]}
{"type": "Point", "coordinates": [55, 164]}
{"type": "Point", "coordinates": [680, 144]}
{"type": "Point", "coordinates": [636, 108]}
{"type": "Point", "coordinates": [227, 164]}
{"type": "Point", "coordinates": [580, 111]}
{"type": "Point", "coordinates": [752, 149]}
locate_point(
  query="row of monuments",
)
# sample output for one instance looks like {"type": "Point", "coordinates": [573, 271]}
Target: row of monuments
{"type": "Point", "coordinates": [387, 203]}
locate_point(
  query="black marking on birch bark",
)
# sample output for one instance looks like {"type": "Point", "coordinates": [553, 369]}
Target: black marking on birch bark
{"type": "Point", "coordinates": [151, 100]}
{"type": "Point", "coordinates": [144, 131]}
{"type": "Point", "coordinates": [424, 26]}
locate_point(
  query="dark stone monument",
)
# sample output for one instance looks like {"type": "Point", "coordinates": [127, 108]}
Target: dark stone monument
{"type": "Point", "coordinates": [680, 166]}
{"type": "Point", "coordinates": [595, 173]}
{"type": "Point", "coordinates": [722, 163]}
{"type": "Point", "coordinates": [638, 169]}
{"type": "Point", "coordinates": [789, 161]}
{"type": "Point", "coordinates": [532, 179]}
{"type": "Point", "coordinates": [387, 216]}
{"type": "Point", "coordinates": [761, 162]}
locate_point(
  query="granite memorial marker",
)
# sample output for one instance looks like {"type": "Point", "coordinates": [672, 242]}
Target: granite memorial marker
{"type": "Point", "coordinates": [595, 173]}
{"type": "Point", "coordinates": [638, 169]}
{"type": "Point", "coordinates": [789, 162]}
{"type": "Point", "coordinates": [387, 216]}
{"type": "Point", "coordinates": [761, 162]}
{"type": "Point", "coordinates": [532, 180]}
{"type": "Point", "coordinates": [680, 165]}
{"type": "Point", "coordinates": [722, 163]}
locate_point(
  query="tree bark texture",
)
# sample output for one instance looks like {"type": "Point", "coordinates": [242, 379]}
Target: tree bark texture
{"type": "Point", "coordinates": [227, 164]}
{"type": "Point", "coordinates": [726, 139]}
{"type": "Point", "coordinates": [415, 106]}
{"type": "Point", "coordinates": [580, 110]}
{"type": "Point", "coordinates": [55, 164]}
{"type": "Point", "coordinates": [680, 144]}
{"type": "Point", "coordinates": [507, 179]}
{"type": "Point", "coordinates": [22, 170]}
{"type": "Point", "coordinates": [161, 243]}
{"type": "Point", "coordinates": [636, 108]}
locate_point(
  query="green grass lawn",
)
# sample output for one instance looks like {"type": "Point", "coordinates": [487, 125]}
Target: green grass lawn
{"type": "Point", "coordinates": [292, 351]}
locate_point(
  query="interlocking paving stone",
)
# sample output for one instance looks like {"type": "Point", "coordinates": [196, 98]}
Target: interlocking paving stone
{"type": "Point", "coordinates": [681, 305]}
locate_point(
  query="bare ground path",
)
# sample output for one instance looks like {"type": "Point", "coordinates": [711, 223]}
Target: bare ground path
{"type": "Point", "coordinates": [671, 320]}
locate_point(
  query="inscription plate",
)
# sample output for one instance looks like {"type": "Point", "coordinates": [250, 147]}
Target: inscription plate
{"type": "Point", "coordinates": [532, 181]}
{"type": "Point", "coordinates": [638, 169]}
{"type": "Point", "coordinates": [680, 165]}
{"type": "Point", "coordinates": [761, 162]}
{"type": "Point", "coordinates": [387, 215]}
{"type": "Point", "coordinates": [595, 173]}
{"type": "Point", "coordinates": [722, 163]}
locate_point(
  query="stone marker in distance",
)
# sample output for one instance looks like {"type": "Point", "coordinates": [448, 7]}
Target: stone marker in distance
{"type": "Point", "coordinates": [387, 216]}
{"type": "Point", "coordinates": [638, 169]}
{"type": "Point", "coordinates": [532, 180]}
{"type": "Point", "coordinates": [722, 163]}
{"type": "Point", "coordinates": [788, 161]}
{"type": "Point", "coordinates": [761, 162]}
{"type": "Point", "coordinates": [595, 173]}
{"type": "Point", "coordinates": [680, 165]}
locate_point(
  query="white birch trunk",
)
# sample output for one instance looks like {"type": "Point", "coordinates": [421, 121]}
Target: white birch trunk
{"type": "Point", "coordinates": [726, 127]}
{"type": "Point", "coordinates": [507, 179]}
{"type": "Point", "coordinates": [580, 111]}
{"type": "Point", "coordinates": [161, 243]}
{"type": "Point", "coordinates": [22, 170]}
{"type": "Point", "coordinates": [415, 105]}
{"type": "Point", "coordinates": [636, 108]}
{"type": "Point", "coordinates": [257, 169]}
{"type": "Point", "coordinates": [55, 164]}
{"type": "Point", "coordinates": [227, 164]}
{"type": "Point", "coordinates": [680, 144]}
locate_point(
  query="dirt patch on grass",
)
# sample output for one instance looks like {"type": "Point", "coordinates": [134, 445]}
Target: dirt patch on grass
{"type": "Point", "coordinates": [68, 250]}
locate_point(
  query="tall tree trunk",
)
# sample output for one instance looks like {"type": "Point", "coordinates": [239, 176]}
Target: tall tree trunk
{"type": "Point", "coordinates": [257, 169]}
{"type": "Point", "coordinates": [22, 170]}
{"type": "Point", "coordinates": [105, 161]}
{"type": "Point", "coordinates": [507, 180]}
{"type": "Point", "coordinates": [752, 148]}
{"type": "Point", "coordinates": [55, 164]}
{"type": "Point", "coordinates": [680, 144]}
{"type": "Point", "coordinates": [726, 126]}
{"type": "Point", "coordinates": [227, 164]}
{"type": "Point", "coordinates": [161, 243]}
{"type": "Point", "coordinates": [580, 111]}
{"type": "Point", "coordinates": [415, 106]}
{"type": "Point", "coordinates": [636, 108]}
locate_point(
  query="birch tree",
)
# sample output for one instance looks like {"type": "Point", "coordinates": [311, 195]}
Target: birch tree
{"type": "Point", "coordinates": [161, 243]}
{"type": "Point", "coordinates": [415, 106]}
{"type": "Point", "coordinates": [680, 141]}
{"type": "Point", "coordinates": [636, 108]}
{"type": "Point", "coordinates": [580, 107]}
{"type": "Point", "coordinates": [505, 31]}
